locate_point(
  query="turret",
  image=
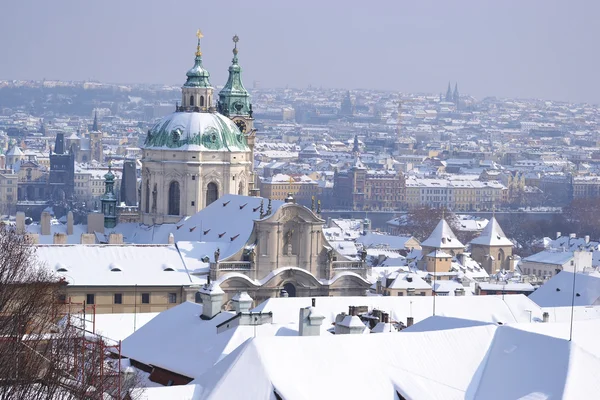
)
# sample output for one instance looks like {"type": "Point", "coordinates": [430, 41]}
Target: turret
{"type": "Point", "coordinates": [197, 92]}
{"type": "Point", "coordinates": [109, 200]}
{"type": "Point", "coordinates": [234, 99]}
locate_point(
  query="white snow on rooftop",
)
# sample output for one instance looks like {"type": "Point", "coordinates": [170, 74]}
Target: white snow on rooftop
{"type": "Point", "coordinates": [558, 290]}
{"type": "Point", "coordinates": [116, 265]}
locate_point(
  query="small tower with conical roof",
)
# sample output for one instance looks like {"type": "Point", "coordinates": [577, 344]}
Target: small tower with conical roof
{"type": "Point", "coordinates": [441, 244]}
{"type": "Point", "coordinates": [197, 92]}
{"type": "Point", "coordinates": [492, 249]}
{"type": "Point", "coordinates": [109, 200]}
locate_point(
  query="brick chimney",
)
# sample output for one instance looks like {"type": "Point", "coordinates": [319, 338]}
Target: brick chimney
{"type": "Point", "coordinates": [115, 238]}
{"type": "Point", "coordinates": [59, 238]}
{"type": "Point", "coordinates": [410, 321]}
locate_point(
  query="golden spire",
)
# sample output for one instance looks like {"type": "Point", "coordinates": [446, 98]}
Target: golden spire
{"type": "Point", "coordinates": [199, 35]}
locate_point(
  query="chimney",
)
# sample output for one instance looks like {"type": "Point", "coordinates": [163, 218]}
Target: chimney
{"type": "Point", "coordinates": [2, 161]}
{"type": "Point", "coordinates": [350, 324]}
{"type": "Point", "coordinates": [545, 316]}
{"type": "Point", "coordinates": [314, 302]}
{"type": "Point", "coordinates": [20, 221]}
{"type": "Point", "coordinates": [587, 239]}
{"type": "Point", "coordinates": [32, 238]}
{"type": "Point", "coordinates": [410, 321]}
{"type": "Point", "coordinates": [459, 292]}
{"type": "Point", "coordinates": [59, 238]}
{"type": "Point", "coordinates": [88, 238]}
{"type": "Point", "coordinates": [70, 223]}
{"type": "Point", "coordinates": [242, 302]}
{"type": "Point", "coordinates": [558, 234]}
{"type": "Point", "coordinates": [171, 238]}
{"type": "Point", "coordinates": [572, 236]}
{"type": "Point", "coordinates": [212, 300]}
{"type": "Point", "coordinates": [386, 318]}
{"type": "Point", "coordinates": [115, 238]}
{"type": "Point", "coordinates": [45, 221]}
{"type": "Point", "coordinates": [310, 321]}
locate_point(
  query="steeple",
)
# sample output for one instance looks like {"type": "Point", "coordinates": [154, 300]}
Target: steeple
{"type": "Point", "coordinates": [197, 91]}
{"type": "Point", "coordinates": [449, 93]}
{"type": "Point", "coordinates": [234, 99]}
{"type": "Point", "coordinates": [456, 95]}
{"type": "Point", "coordinates": [95, 125]}
{"type": "Point", "coordinates": [109, 201]}
{"type": "Point", "coordinates": [355, 148]}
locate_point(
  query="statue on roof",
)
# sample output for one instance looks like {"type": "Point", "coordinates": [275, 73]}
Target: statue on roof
{"type": "Point", "coordinates": [217, 254]}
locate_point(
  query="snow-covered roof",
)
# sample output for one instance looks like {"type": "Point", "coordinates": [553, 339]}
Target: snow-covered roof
{"type": "Point", "coordinates": [115, 265]}
{"type": "Point", "coordinates": [180, 341]}
{"type": "Point", "coordinates": [418, 365]}
{"type": "Point", "coordinates": [377, 239]}
{"type": "Point", "coordinates": [508, 308]}
{"type": "Point", "coordinates": [492, 235]}
{"type": "Point", "coordinates": [409, 281]}
{"type": "Point", "coordinates": [550, 257]}
{"type": "Point", "coordinates": [558, 290]}
{"type": "Point", "coordinates": [442, 237]}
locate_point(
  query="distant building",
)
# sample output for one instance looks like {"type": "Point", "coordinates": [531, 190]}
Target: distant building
{"type": "Point", "coordinates": [278, 187]}
{"type": "Point", "coordinates": [61, 182]}
{"type": "Point", "coordinates": [359, 188]}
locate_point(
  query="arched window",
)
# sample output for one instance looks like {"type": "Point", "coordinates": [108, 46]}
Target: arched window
{"type": "Point", "coordinates": [174, 198]}
{"type": "Point", "coordinates": [212, 193]}
{"type": "Point", "coordinates": [201, 101]}
{"type": "Point", "coordinates": [147, 199]}
{"type": "Point", "coordinates": [501, 256]}
{"type": "Point", "coordinates": [191, 101]}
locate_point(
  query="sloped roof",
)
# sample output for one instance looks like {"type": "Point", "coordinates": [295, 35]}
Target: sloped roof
{"type": "Point", "coordinates": [422, 365]}
{"type": "Point", "coordinates": [377, 239]}
{"type": "Point", "coordinates": [180, 341]}
{"type": "Point", "coordinates": [115, 265]}
{"type": "Point", "coordinates": [442, 237]}
{"type": "Point", "coordinates": [492, 235]}
{"type": "Point", "coordinates": [558, 291]}
{"type": "Point", "coordinates": [14, 151]}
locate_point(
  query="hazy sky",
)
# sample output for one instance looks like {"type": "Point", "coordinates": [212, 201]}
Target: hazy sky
{"type": "Point", "coordinates": [513, 48]}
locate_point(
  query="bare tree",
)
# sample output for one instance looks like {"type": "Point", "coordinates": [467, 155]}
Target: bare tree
{"type": "Point", "coordinates": [39, 357]}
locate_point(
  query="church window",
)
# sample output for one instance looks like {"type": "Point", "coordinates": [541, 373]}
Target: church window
{"type": "Point", "coordinates": [174, 198]}
{"type": "Point", "coordinates": [201, 101]}
{"type": "Point", "coordinates": [147, 200]}
{"type": "Point", "coordinates": [191, 101]}
{"type": "Point", "coordinates": [212, 193]}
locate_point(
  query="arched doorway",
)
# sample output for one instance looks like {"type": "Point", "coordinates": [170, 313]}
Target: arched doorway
{"type": "Point", "coordinates": [174, 198]}
{"type": "Point", "coordinates": [290, 289]}
{"type": "Point", "coordinates": [212, 193]}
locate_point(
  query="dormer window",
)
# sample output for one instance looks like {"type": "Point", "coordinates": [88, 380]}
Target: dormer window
{"type": "Point", "coordinates": [114, 268]}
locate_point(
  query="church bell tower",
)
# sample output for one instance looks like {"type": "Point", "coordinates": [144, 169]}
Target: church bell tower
{"type": "Point", "coordinates": [234, 103]}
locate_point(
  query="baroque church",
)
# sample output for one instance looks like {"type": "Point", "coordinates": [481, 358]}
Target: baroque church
{"type": "Point", "coordinates": [202, 151]}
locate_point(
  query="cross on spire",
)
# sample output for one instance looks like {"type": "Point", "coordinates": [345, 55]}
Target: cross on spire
{"type": "Point", "coordinates": [199, 35]}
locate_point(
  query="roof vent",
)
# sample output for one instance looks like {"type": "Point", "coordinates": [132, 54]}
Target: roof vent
{"type": "Point", "coordinates": [114, 267]}
{"type": "Point", "coordinates": [60, 267]}
{"type": "Point", "coordinates": [167, 267]}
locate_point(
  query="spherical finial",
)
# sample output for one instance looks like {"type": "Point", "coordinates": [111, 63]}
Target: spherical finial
{"type": "Point", "coordinates": [236, 39]}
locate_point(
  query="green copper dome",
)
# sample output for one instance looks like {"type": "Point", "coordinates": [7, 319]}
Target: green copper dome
{"type": "Point", "coordinates": [196, 131]}
{"type": "Point", "coordinates": [197, 76]}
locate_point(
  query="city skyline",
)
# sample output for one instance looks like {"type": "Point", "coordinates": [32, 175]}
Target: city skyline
{"type": "Point", "coordinates": [489, 49]}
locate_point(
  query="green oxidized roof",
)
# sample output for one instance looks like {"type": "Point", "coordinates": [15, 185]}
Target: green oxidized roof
{"type": "Point", "coordinates": [197, 131]}
{"type": "Point", "coordinates": [197, 76]}
{"type": "Point", "coordinates": [234, 99]}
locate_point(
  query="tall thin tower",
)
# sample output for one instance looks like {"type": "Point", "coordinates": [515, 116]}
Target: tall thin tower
{"type": "Point", "coordinates": [399, 121]}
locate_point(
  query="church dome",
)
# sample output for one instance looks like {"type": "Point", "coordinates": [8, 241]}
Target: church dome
{"type": "Point", "coordinates": [196, 131]}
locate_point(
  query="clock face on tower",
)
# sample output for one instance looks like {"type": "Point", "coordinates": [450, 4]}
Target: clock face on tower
{"type": "Point", "coordinates": [242, 125]}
